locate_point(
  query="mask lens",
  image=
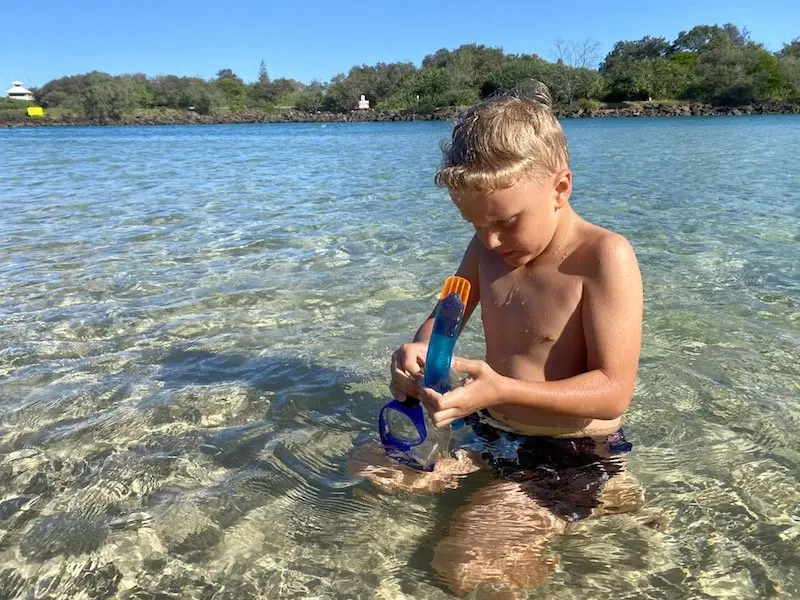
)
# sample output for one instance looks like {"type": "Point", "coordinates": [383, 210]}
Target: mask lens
{"type": "Point", "coordinates": [402, 427]}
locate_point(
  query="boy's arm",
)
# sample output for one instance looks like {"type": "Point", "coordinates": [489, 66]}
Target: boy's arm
{"type": "Point", "coordinates": [612, 321]}
{"type": "Point", "coordinates": [468, 269]}
{"type": "Point", "coordinates": [408, 360]}
{"type": "Point", "coordinates": [612, 324]}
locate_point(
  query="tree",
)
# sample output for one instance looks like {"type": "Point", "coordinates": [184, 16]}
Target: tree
{"type": "Point", "coordinates": [764, 69]}
{"type": "Point", "coordinates": [571, 76]}
{"type": "Point", "coordinates": [790, 74]}
{"type": "Point", "coordinates": [228, 74]}
{"type": "Point", "coordinates": [468, 66]}
{"type": "Point", "coordinates": [722, 76]}
{"type": "Point", "coordinates": [792, 49]}
{"type": "Point", "coordinates": [631, 69]}
{"type": "Point", "coordinates": [144, 96]}
{"type": "Point", "coordinates": [232, 87]}
{"type": "Point", "coordinates": [311, 97]}
{"type": "Point", "coordinates": [284, 91]}
{"type": "Point", "coordinates": [512, 71]}
{"type": "Point", "coordinates": [109, 99]}
{"type": "Point", "coordinates": [261, 92]}
{"type": "Point", "coordinates": [68, 91]}
{"type": "Point", "coordinates": [626, 52]}
{"type": "Point", "coordinates": [712, 63]}
{"type": "Point", "coordinates": [729, 74]}
{"type": "Point", "coordinates": [579, 55]}
{"type": "Point", "coordinates": [789, 67]}
{"type": "Point", "coordinates": [377, 83]}
{"type": "Point", "coordinates": [390, 78]}
{"type": "Point", "coordinates": [263, 77]}
{"type": "Point", "coordinates": [704, 37]}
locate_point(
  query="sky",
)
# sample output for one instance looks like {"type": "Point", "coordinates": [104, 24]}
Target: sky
{"type": "Point", "coordinates": [311, 39]}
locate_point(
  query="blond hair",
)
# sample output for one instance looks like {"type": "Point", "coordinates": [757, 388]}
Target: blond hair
{"type": "Point", "coordinates": [503, 140]}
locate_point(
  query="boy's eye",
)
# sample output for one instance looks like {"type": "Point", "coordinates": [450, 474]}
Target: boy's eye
{"type": "Point", "coordinates": [508, 222]}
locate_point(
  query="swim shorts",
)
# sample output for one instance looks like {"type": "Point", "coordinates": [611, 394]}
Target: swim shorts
{"type": "Point", "coordinates": [564, 474]}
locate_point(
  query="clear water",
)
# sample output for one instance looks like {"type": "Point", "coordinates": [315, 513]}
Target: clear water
{"type": "Point", "coordinates": [195, 325]}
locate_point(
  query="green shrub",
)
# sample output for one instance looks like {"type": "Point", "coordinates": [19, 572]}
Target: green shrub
{"type": "Point", "coordinates": [589, 104]}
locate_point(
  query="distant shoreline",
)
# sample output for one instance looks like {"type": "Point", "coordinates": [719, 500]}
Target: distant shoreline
{"type": "Point", "coordinates": [187, 117]}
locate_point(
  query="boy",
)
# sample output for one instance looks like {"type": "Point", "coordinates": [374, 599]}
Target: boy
{"type": "Point", "coordinates": [561, 304]}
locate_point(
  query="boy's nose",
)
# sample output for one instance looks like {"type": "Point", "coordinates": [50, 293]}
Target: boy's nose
{"type": "Point", "coordinates": [492, 240]}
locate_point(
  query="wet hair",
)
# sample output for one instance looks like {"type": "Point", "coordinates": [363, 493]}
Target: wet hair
{"type": "Point", "coordinates": [503, 140]}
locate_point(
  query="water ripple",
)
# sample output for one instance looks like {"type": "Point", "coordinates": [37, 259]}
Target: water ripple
{"type": "Point", "coordinates": [195, 344]}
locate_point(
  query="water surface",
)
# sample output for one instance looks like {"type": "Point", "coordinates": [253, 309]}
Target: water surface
{"type": "Point", "coordinates": [196, 323]}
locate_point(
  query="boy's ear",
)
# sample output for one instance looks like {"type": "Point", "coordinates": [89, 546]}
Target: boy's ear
{"type": "Point", "coordinates": [562, 186]}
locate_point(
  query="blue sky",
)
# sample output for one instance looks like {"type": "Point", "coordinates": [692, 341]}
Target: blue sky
{"type": "Point", "coordinates": [47, 39]}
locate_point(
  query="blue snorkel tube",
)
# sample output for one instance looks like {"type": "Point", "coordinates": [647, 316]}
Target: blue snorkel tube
{"type": "Point", "coordinates": [413, 452]}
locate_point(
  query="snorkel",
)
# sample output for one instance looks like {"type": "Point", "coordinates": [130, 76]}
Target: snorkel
{"type": "Point", "coordinates": [413, 451]}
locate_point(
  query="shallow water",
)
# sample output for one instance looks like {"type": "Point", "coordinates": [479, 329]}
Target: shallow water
{"type": "Point", "coordinates": [196, 322]}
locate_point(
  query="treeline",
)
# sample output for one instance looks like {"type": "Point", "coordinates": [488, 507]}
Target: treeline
{"type": "Point", "coordinates": [719, 65]}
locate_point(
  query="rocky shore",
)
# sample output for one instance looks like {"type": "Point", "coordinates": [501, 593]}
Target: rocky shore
{"type": "Point", "coordinates": [622, 109]}
{"type": "Point", "coordinates": [683, 109]}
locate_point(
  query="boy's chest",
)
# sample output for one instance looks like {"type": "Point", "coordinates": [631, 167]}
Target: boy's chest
{"type": "Point", "coordinates": [539, 305]}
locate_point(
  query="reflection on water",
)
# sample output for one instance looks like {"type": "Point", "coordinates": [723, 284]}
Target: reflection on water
{"type": "Point", "coordinates": [196, 322]}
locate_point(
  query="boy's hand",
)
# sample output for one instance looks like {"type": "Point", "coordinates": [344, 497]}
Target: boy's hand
{"type": "Point", "coordinates": [481, 389]}
{"type": "Point", "coordinates": [406, 370]}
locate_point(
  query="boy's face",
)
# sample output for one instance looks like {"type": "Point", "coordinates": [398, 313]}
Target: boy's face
{"type": "Point", "coordinates": [517, 222]}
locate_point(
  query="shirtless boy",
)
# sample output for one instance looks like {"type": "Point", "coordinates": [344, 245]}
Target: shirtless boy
{"type": "Point", "coordinates": [561, 304]}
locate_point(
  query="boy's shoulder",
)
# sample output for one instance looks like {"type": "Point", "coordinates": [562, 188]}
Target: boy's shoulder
{"type": "Point", "coordinates": [600, 240]}
{"type": "Point", "coordinates": [603, 252]}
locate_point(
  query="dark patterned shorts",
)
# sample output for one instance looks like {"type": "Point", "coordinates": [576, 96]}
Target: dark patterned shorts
{"type": "Point", "coordinates": [565, 475]}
